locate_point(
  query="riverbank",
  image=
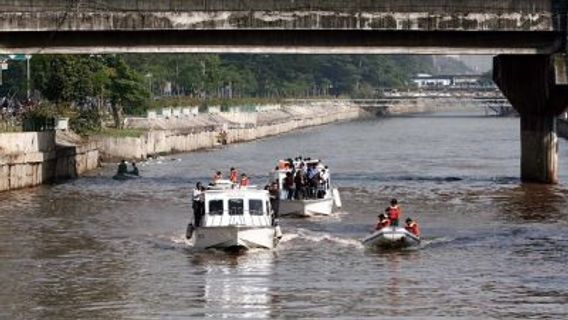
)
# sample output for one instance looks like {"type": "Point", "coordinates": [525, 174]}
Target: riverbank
{"type": "Point", "coordinates": [32, 158]}
{"type": "Point", "coordinates": [175, 135]}
{"type": "Point", "coordinates": [29, 159]}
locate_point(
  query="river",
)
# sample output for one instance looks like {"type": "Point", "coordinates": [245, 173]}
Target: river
{"type": "Point", "coordinates": [493, 248]}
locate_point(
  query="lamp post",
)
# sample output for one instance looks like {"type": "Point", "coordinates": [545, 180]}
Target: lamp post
{"type": "Point", "coordinates": [28, 76]}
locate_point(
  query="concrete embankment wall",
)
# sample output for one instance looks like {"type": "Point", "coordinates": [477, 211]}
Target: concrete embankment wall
{"type": "Point", "coordinates": [32, 158]}
{"type": "Point", "coordinates": [425, 105]}
{"type": "Point", "coordinates": [190, 139]}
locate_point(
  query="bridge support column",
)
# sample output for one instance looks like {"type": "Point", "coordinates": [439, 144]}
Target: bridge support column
{"type": "Point", "coordinates": [537, 87]}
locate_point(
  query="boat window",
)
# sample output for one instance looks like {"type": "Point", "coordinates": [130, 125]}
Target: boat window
{"type": "Point", "coordinates": [216, 207]}
{"type": "Point", "coordinates": [255, 207]}
{"type": "Point", "coordinates": [236, 207]}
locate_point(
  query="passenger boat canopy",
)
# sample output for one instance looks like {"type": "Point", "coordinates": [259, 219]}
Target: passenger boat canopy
{"type": "Point", "coordinates": [237, 207]}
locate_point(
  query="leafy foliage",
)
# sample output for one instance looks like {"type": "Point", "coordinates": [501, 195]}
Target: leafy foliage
{"type": "Point", "coordinates": [94, 85]}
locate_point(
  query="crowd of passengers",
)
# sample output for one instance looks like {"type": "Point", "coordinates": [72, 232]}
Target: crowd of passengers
{"type": "Point", "coordinates": [305, 179]}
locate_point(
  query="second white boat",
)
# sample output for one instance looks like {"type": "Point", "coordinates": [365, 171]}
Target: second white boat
{"type": "Point", "coordinates": [323, 199]}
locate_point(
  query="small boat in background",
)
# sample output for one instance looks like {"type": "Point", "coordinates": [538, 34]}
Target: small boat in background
{"type": "Point", "coordinates": [125, 176]}
{"type": "Point", "coordinates": [391, 237]}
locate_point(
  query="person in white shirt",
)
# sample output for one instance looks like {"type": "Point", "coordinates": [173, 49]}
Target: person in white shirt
{"type": "Point", "coordinates": [197, 204]}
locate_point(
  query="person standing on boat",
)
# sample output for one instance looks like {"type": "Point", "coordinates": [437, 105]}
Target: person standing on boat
{"type": "Point", "coordinates": [289, 185]}
{"type": "Point", "coordinates": [383, 222]}
{"type": "Point", "coordinates": [198, 205]}
{"type": "Point", "coordinates": [412, 227]}
{"type": "Point", "coordinates": [394, 212]}
{"type": "Point", "coordinates": [245, 182]}
{"type": "Point", "coordinates": [274, 192]}
{"type": "Point", "coordinates": [218, 176]}
{"type": "Point", "coordinates": [325, 177]}
{"type": "Point", "coordinates": [300, 182]}
{"type": "Point", "coordinates": [234, 176]}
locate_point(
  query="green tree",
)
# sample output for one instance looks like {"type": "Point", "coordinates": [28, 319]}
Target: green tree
{"type": "Point", "coordinates": [126, 89]}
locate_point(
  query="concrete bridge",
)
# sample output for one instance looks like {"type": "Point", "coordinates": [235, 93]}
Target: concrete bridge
{"type": "Point", "coordinates": [284, 26]}
{"type": "Point", "coordinates": [530, 37]}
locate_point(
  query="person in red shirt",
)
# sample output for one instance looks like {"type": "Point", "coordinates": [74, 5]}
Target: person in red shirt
{"type": "Point", "coordinates": [412, 227]}
{"type": "Point", "coordinates": [394, 212]}
{"type": "Point", "coordinates": [244, 180]}
{"type": "Point", "coordinates": [383, 222]}
{"type": "Point", "coordinates": [234, 176]}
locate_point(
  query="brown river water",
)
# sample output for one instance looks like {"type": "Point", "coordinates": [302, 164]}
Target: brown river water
{"type": "Point", "coordinates": [492, 248]}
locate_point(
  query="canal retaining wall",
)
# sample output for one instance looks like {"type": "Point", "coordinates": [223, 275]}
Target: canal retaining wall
{"type": "Point", "coordinates": [31, 158]}
{"type": "Point", "coordinates": [208, 131]}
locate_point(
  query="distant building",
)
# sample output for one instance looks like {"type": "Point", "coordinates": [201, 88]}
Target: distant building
{"type": "Point", "coordinates": [425, 81]}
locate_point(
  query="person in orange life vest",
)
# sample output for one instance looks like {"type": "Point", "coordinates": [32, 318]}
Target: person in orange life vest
{"type": "Point", "coordinates": [244, 180]}
{"type": "Point", "coordinates": [394, 212]}
{"type": "Point", "coordinates": [412, 227]}
{"type": "Point", "coordinates": [217, 176]}
{"type": "Point", "coordinates": [383, 222]}
{"type": "Point", "coordinates": [234, 176]}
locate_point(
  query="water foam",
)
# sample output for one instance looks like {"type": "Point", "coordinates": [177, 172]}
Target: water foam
{"type": "Point", "coordinates": [312, 236]}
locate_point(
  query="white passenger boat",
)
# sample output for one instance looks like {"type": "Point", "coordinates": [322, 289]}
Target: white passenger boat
{"type": "Point", "coordinates": [320, 201]}
{"type": "Point", "coordinates": [391, 237]}
{"type": "Point", "coordinates": [235, 218]}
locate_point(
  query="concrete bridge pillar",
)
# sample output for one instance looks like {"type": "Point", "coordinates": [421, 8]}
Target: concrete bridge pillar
{"type": "Point", "coordinates": [537, 87]}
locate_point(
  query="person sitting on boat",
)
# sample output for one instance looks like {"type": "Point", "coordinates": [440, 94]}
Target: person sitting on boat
{"type": "Point", "coordinates": [412, 227]}
{"type": "Point", "coordinates": [244, 180]}
{"type": "Point", "coordinates": [394, 212]}
{"type": "Point", "coordinates": [234, 176]}
{"type": "Point", "coordinates": [122, 168]}
{"type": "Point", "coordinates": [134, 169]}
{"type": "Point", "coordinates": [383, 222]}
{"type": "Point", "coordinates": [218, 176]}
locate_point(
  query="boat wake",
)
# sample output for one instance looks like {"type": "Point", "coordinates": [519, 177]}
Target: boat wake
{"type": "Point", "coordinates": [312, 236]}
{"type": "Point", "coordinates": [437, 241]}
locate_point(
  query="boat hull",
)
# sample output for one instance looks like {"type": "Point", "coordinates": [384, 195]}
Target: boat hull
{"type": "Point", "coordinates": [306, 208]}
{"type": "Point", "coordinates": [391, 237]}
{"type": "Point", "coordinates": [235, 237]}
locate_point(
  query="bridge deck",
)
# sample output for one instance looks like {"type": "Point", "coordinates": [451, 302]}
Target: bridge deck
{"type": "Point", "coordinates": [284, 26]}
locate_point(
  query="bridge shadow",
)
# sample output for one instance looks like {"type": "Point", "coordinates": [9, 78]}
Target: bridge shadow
{"type": "Point", "coordinates": [533, 203]}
